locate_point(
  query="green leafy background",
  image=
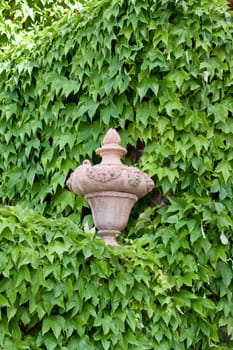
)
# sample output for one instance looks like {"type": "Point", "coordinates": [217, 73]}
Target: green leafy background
{"type": "Point", "coordinates": [161, 73]}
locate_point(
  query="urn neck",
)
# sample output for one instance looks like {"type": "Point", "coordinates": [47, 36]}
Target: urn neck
{"type": "Point", "coordinates": [111, 154]}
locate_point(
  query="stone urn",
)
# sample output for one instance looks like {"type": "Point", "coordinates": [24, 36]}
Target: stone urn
{"type": "Point", "coordinates": [111, 188]}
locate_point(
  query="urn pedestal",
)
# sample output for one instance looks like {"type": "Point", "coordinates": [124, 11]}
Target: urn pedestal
{"type": "Point", "coordinates": [111, 188]}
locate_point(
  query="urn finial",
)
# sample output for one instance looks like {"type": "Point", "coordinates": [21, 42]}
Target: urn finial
{"type": "Point", "coordinates": [111, 188]}
{"type": "Point", "coordinates": [111, 151]}
{"type": "Point", "coordinates": [112, 136]}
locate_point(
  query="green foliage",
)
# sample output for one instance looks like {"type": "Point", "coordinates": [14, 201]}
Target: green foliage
{"type": "Point", "coordinates": [18, 19]}
{"type": "Point", "coordinates": [62, 289]}
{"type": "Point", "coordinates": [161, 73]}
{"type": "Point", "coordinates": [127, 65]}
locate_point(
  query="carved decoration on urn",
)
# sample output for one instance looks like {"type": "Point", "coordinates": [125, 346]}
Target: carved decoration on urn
{"type": "Point", "coordinates": [111, 188]}
{"type": "Point", "coordinates": [103, 174]}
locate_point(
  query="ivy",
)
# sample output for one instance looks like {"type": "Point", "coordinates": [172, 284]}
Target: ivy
{"type": "Point", "coordinates": [63, 289]}
{"type": "Point", "coordinates": [160, 72]}
{"type": "Point", "coordinates": [20, 19]}
{"type": "Point", "coordinates": [58, 286]}
{"type": "Point", "coordinates": [152, 73]}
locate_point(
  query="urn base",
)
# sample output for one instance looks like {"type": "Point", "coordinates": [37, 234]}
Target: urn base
{"type": "Point", "coordinates": [109, 236]}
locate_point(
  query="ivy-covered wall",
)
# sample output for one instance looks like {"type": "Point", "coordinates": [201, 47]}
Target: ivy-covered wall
{"type": "Point", "coordinates": [62, 289]}
{"type": "Point", "coordinates": [161, 73]}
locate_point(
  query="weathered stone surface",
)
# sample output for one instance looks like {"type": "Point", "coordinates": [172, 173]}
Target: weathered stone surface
{"type": "Point", "coordinates": [111, 188]}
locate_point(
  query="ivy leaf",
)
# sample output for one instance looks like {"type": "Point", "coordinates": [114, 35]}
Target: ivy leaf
{"type": "Point", "coordinates": [224, 168]}
{"type": "Point", "coordinates": [109, 112]}
{"type": "Point", "coordinates": [3, 301]}
{"type": "Point", "coordinates": [146, 84]}
{"type": "Point", "coordinates": [178, 76]}
{"type": "Point", "coordinates": [184, 298]}
{"type": "Point", "coordinates": [226, 273]}
{"type": "Point", "coordinates": [50, 341]}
